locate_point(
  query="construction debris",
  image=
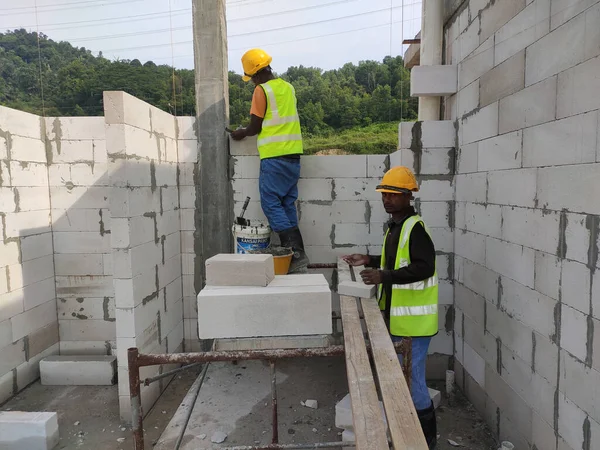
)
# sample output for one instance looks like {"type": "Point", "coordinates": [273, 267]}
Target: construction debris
{"type": "Point", "coordinates": [310, 404]}
{"type": "Point", "coordinates": [218, 437]}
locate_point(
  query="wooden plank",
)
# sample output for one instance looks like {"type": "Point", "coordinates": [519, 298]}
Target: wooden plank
{"type": "Point", "coordinates": [402, 418]}
{"type": "Point", "coordinates": [369, 427]}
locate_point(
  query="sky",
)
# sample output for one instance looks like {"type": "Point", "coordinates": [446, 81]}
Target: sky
{"type": "Point", "coordinates": [313, 33]}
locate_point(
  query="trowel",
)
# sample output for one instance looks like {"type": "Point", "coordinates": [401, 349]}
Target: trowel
{"type": "Point", "coordinates": [240, 219]}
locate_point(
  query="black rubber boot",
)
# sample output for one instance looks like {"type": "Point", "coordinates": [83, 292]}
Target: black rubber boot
{"type": "Point", "coordinates": [429, 425]}
{"type": "Point", "coordinates": [292, 238]}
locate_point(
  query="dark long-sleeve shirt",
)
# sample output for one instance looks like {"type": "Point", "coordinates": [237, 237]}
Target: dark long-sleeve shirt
{"type": "Point", "coordinates": [422, 257]}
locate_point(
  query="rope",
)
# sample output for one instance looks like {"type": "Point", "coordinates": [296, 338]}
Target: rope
{"type": "Point", "coordinates": [40, 59]}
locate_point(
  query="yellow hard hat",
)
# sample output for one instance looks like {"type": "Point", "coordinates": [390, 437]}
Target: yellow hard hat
{"type": "Point", "coordinates": [253, 61]}
{"type": "Point", "coordinates": [398, 180]}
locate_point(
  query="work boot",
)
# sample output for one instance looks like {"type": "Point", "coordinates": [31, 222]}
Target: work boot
{"type": "Point", "coordinates": [429, 425]}
{"type": "Point", "coordinates": [292, 238]}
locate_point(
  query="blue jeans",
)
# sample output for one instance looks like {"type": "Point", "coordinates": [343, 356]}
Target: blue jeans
{"type": "Point", "coordinates": [418, 386]}
{"type": "Point", "coordinates": [278, 187]}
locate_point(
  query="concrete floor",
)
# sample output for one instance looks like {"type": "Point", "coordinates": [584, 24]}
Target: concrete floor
{"type": "Point", "coordinates": [234, 399]}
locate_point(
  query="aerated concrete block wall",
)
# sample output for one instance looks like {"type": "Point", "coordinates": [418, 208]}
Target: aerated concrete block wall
{"type": "Point", "coordinates": [341, 213]}
{"type": "Point", "coordinates": [28, 320]}
{"type": "Point", "coordinates": [527, 327]}
{"type": "Point", "coordinates": [142, 146]}
{"type": "Point", "coordinates": [79, 193]}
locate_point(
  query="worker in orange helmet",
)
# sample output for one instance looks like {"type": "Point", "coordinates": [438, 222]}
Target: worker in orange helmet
{"type": "Point", "coordinates": [274, 118]}
{"type": "Point", "coordinates": [408, 284]}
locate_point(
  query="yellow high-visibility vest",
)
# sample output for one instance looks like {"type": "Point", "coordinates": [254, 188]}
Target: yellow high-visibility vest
{"type": "Point", "coordinates": [414, 308]}
{"type": "Point", "coordinates": [280, 134]}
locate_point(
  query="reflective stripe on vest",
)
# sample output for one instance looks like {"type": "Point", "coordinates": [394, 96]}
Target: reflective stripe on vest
{"type": "Point", "coordinates": [414, 306]}
{"type": "Point", "coordinates": [280, 134]}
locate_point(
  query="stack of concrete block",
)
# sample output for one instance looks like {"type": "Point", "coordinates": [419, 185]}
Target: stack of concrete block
{"type": "Point", "coordinates": [347, 286]}
{"type": "Point", "coordinates": [428, 148]}
{"type": "Point", "coordinates": [28, 430]}
{"type": "Point", "coordinates": [145, 238]}
{"type": "Point", "coordinates": [65, 370]}
{"type": "Point", "coordinates": [81, 227]}
{"type": "Point", "coordinates": [243, 298]}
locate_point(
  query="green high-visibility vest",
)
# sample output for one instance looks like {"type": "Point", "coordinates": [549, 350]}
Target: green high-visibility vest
{"type": "Point", "coordinates": [280, 134]}
{"type": "Point", "coordinates": [414, 308]}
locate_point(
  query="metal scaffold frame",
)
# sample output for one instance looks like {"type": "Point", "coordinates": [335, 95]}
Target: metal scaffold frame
{"type": "Point", "coordinates": [137, 360]}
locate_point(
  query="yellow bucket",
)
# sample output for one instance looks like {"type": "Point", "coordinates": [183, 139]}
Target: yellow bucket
{"type": "Point", "coordinates": [282, 263]}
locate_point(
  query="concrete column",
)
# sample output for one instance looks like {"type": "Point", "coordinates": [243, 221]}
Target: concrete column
{"type": "Point", "coordinates": [431, 52]}
{"type": "Point", "coordinates": [213, 190]}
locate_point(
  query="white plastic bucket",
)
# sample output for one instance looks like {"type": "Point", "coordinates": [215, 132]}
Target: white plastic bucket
{"type": "Point", "coordinates": [251, 238]}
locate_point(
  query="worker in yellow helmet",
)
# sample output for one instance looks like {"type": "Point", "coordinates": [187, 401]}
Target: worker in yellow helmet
{"type": "Point", "coordinates": [408, 284]}
{"type": "Point", "coordinates": [274, 118]}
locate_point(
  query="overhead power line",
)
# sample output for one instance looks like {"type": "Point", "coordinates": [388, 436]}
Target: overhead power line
{"type": "Point", "coordinates": [96, 5]}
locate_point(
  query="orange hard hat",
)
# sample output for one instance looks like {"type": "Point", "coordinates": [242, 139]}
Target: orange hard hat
{"type": "Point", "coordinates": [398, 180]}
{"type": "Point", "coordinates": [253, 61]}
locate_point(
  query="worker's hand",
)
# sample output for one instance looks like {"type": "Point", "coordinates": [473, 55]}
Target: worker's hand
{"type": "Point", "coordinates": [238, 134]}
{"type": "Point", "coordinates": [371, 276]}
{"type": "Point", "coordinates": [356, 259]}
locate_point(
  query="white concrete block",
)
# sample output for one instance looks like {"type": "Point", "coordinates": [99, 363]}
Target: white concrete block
{"type": "Point", "coordinates": [523, 30]}
{"type": "Point", "coordinates": [547, 274]}
{"type": "Point", "coordinates": [503, 80]}
{"type": "Point", "coordinates": [186, 127]}
{"type": "Point", "coordinates": [434, 134]}
{"type": "Point", "coordinates": [82, 242]}
{"type": "Point", "coordinates": [468, 98]}
{"type": "Point", "coordinates": [467, 158]}
{"type": "Point", "coordinates": [550, 56]}
{"type": "Point", "coordinates": [528, 306]}
{"type": "Point", "coordinates": [574, 328]}
{"type": "Point", "coordinates": [531, 106]}
{"type": "Point", "coordinates": [471, 187]}
{"type": "Point", "coordinates": [577, 237]}
{"type": "Point", "coordinates": [431, 161]}
{"type": "Point", "coordinates": [36, 246]}
{"type": "Point", "coordinates": [474, 67]}
{"type": "Point", "coordinates": [500, 152]}
{"type": "Point", "coordinates": [516, 187]}
{"type": "Point", "coordinates": [481, 125]}
{"type": "Point", "coordinates": [239, 270]}
{"type": "Point", "coordinates": [28, 174]}
{"type": "Point", "coordinates": [582, 178]}
{"type": "Point", "coordinates": [28, 150]}
{"type": "Point", "coordinates": [33, 198]}
{"type": "Point", "coordinates": [474, 364]}
{"type": "Point", "coordinates": [268, 311]}
{"type": "Point", "coordinates": [575, 285]}
{"type": "Point", "coordinates": [574, 86]}
{"type": "Point", "coordinates": [20, 123]}
{"type": "Point", "coordinates": [80, 197]}
{"type": "Point", "coordinates": [484, 219]}
{"type": "Point", "coordinates": [354, 189]}
{"type": "Point", "coordinates": [7, 199]}
{"type": "Point", "coordinates": [531, 228]}
{"type": "Point", "coordinates": [357, 289]}
{"type": "Point", "coordinates": [78, 370]}
{"type": "Point", "coordinates": [313, 279]}
{"type": "Point", "coordinates": [469, 39]}
{"type": "Point", "coordinates": [545, 145]}
{"type": "Point", "coordinates": [511, 260]}
{"type": "Point", "coordinates": [78, 286]}
{"type": "Point", "coordinates": [470, 246]}
{"type": "Point", "coordinates": [245, 147]}
{"type": "Point", "coordinates": [33, 319]}
{"type": "Point", "coordinates": [435, 190]}
{"type": "Point", "coordinates": [75, 128]}
{"type": "Point", "coordinates": [337, 166]}
{"type": "Point", "coordinates": [87, 330]}
{"type": "Point", "coordinates": [72, 151]}
{"type": "Point", "coordinates": [28, 430]}
{"type": "Point", "coordinates": [433, 81]}
{"type": "Point", "coordinates": [187, 151]}
{"type": "Point", "coordinates": [496, 15]}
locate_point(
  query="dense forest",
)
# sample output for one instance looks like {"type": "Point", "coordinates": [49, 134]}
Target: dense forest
{"type": "Point", "coordinates": [73, 79]}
